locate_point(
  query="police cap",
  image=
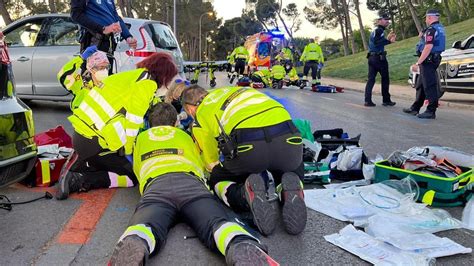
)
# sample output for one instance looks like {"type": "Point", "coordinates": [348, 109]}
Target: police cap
{"type": "Point", "coordinates": [432, 12]}
{"type": "Point", "coordinates": [384, 16]}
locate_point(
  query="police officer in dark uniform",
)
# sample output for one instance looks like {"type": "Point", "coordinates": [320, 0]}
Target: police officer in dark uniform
{"type": "Point", "coordinates": [429, 49]}
{"type": "Point", "coordinates": [378, 61]}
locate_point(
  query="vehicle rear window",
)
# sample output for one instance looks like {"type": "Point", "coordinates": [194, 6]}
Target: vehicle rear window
{"type": "Point", "coordinates": [263, 49]}
{"type": "Point", "coordinates": [162, 36]}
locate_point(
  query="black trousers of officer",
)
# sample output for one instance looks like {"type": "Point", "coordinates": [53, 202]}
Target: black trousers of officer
{"type": "Point", "coordinates": [429, 86]}
{"type": "Point", "coordinates": [313, 65]}
{"type": "Point", "coordinates": [240, 66]}
{"type": "Point", "coordinates": [104, 43]}
{"type": "Point", "coordinates": [96, 167]}
{"type": "Point", "coordinates": [175, 197]}
{"type": "Point", "coordinates": [378, 64]}
{"type": "Point", "coordinates": [278, 154]}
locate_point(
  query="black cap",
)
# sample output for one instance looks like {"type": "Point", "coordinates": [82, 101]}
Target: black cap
{"type": "Point", "coordinates": [432, 12]}
{"type": "Point", "coordinates": [384, 16]}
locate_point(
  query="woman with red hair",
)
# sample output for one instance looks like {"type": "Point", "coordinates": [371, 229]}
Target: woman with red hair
{"type": "Point", "coordinates": [106, 123]}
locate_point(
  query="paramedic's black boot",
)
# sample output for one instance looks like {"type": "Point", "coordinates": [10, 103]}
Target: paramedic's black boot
{"type": "Point", "coordinates": [410, 111]}
{"type": "Point", "coordinates": [71, 182]}
{"type": "Point", "coordinates": [294, 208]}
{"type": "Point", "coordinates": [263, 211]}
{"type": "Point", "coordinates": [427, 115]}
{"type": "Point", "coordinates": [132, 250]}
{"type": "Point", "coordinates": [370, 104]}
{"type": "Point", "coordinates": [247, 253]}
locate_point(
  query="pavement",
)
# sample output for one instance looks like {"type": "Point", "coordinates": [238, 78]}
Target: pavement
{"type": "Point", "coordinates": [84, 229]}
{"type": "Point", "coordinates": [456, 100]}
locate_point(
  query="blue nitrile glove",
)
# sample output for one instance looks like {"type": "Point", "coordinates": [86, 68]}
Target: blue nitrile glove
{"type": "Point", "coordinates": [88, 52]}
{"type": "Point", "coordinates": [129, 158]}
{"type": "Point", "coordinates": [320, 65]}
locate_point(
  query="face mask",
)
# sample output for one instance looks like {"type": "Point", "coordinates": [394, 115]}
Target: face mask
{"type": "Point", "coordinates": [101, 74]}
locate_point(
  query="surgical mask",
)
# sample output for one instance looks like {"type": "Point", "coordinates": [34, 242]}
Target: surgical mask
{"type": "Point", "coordinates": [101, 74]}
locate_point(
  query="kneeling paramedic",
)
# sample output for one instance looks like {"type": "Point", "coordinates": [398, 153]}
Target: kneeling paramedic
{"type": "Point", "coordinates": [106, 123]}
{"type": "Point", "coordinates": [254, 133]}
{"type": "Point", "coordinates": [171, 177]}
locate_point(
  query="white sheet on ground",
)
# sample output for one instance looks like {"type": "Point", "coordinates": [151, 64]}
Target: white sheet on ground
{"type": "Point", "coordinates": [391, 217]}
{"type": "Point", "coordinates": [374, 251]}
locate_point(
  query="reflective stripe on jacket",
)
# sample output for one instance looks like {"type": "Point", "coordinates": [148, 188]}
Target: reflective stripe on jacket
{"type": "Point", "coordinates": [162, 150]}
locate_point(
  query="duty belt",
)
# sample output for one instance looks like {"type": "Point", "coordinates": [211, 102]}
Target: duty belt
{"type": "Point", "coordinates": [376, 53]}
{"type": "Point", "coordinates": [264, 133]}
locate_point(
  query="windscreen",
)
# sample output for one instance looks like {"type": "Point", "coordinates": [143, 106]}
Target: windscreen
{"type": "Point", "coordinates": [162, 36]}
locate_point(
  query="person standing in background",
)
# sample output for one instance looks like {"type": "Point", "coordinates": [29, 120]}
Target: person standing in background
{"type": "Point", "coordinates": [101, 26]}
{"type": "Point", "coordinates": [377, 58]}
{"type": "Point", "coordinates": [429, 49]}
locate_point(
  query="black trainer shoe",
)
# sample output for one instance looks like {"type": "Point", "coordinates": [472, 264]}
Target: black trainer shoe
{"type": "Point", "coordinates": [410, 111]}
{"type": "Point", "coordinates": [294, 208]}
{"type": "Point", "coordinates": [263, 211]}
{"type": "Point", "coordinates": [427, 115]}
{"type": "Point", "coordinates": [389, 103]}
{"type": "Point", "coordinates": [72, 182]}
{"type": "Point", "coordinates": [370, 104]}
{"type": "Point", "coordinates": [248, 253]}
{"type": "Point", "coordinates": [132, 250]}
{"type": "Point", "coordinates": [232, 79]}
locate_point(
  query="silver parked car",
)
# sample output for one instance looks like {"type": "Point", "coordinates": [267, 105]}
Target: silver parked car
{"type": "Point", "coordinates": [40, 45]}
{"type": "Point", "coordinates": [456, 71]}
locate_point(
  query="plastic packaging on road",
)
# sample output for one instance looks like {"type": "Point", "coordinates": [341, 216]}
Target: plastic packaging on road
{"type": "Point", "coordinates": [375, 251]}
{"type": "Point", "coordinates": [468, 215]}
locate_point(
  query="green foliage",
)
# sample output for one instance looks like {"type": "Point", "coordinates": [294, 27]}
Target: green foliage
{"type": "Point", "coordinates": [400, 57]}
{"type": "Point", "coordinates": [233, 33]}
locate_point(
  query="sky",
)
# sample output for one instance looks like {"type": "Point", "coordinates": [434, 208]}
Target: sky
{"type": "Point", "coordinates": [228, 9]}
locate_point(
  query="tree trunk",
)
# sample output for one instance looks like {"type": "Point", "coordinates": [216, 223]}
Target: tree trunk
{"type": "Point", "coordinates": [448, 12]}
{"type": "Point", "coordinates": [4, 12]}
{"type": "Point", "coordinates": [465, 5]}
{"type": "Point", "coordinates": [414, 16]}
{"type": "Point", "coordinates": [52, 6]}
{"type": "Point", "coordinates": [361, 25]}
{"type": "Point", "coordinates": [350, 34]}
{"type": "Point", "coordinates": [121, 4]}
{"type": "Point", "coordinates": [129, 8]}
{"type": "Point", "coordinates": [335, 6]}
{"type": "Point", "coordinates": [402, 17]}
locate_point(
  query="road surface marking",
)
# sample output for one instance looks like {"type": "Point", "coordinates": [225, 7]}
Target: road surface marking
{"type": "Point", "coordinates": [80, 226]}
{"type": "Point", "coordinates": [327, 98]}
{"type": "Point", "coordinates": [358, 106]}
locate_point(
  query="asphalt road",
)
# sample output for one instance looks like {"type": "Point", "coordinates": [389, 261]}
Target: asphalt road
{"type": "Point", "coordinates": [37, 233]}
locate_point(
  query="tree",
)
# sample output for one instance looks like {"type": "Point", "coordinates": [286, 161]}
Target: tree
{"type": "Point", "coordinates": [293, 15]}
{"type": "Point", "coordinates": [265, 11]}
{"type": "Point", "coordinates": [414, 15]}
{"type": "Point", "coordinates": [327, 15]}
{"type": "Point", "coordinates": [361, 25]}
{"type": "Point", "coordinates": [4, 12]}
{"type": "Point", "coordinates": [348, 23]}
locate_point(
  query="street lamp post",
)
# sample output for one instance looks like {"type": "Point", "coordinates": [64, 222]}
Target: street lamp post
{"type": "Point", "coordinates": [200, 26]}
{"type": "Point", "coordinates": [174, 18]}
{"type": "Point", "coordinates": [205, 39]}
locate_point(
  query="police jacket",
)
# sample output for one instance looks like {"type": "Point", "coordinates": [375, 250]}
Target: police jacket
{"type": "Point", "coordinates": [114, 111]}
{"type": "Point", "coordinates": [434, 34]}
{"type": "Point", "coordinates": [234, 107]}
{"type": "Point", "coordinates": [162, 150]}
{"type": "Point", "coordinates": [96, 14]}
{"type": "Point", "coordinates": [377, 40]}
